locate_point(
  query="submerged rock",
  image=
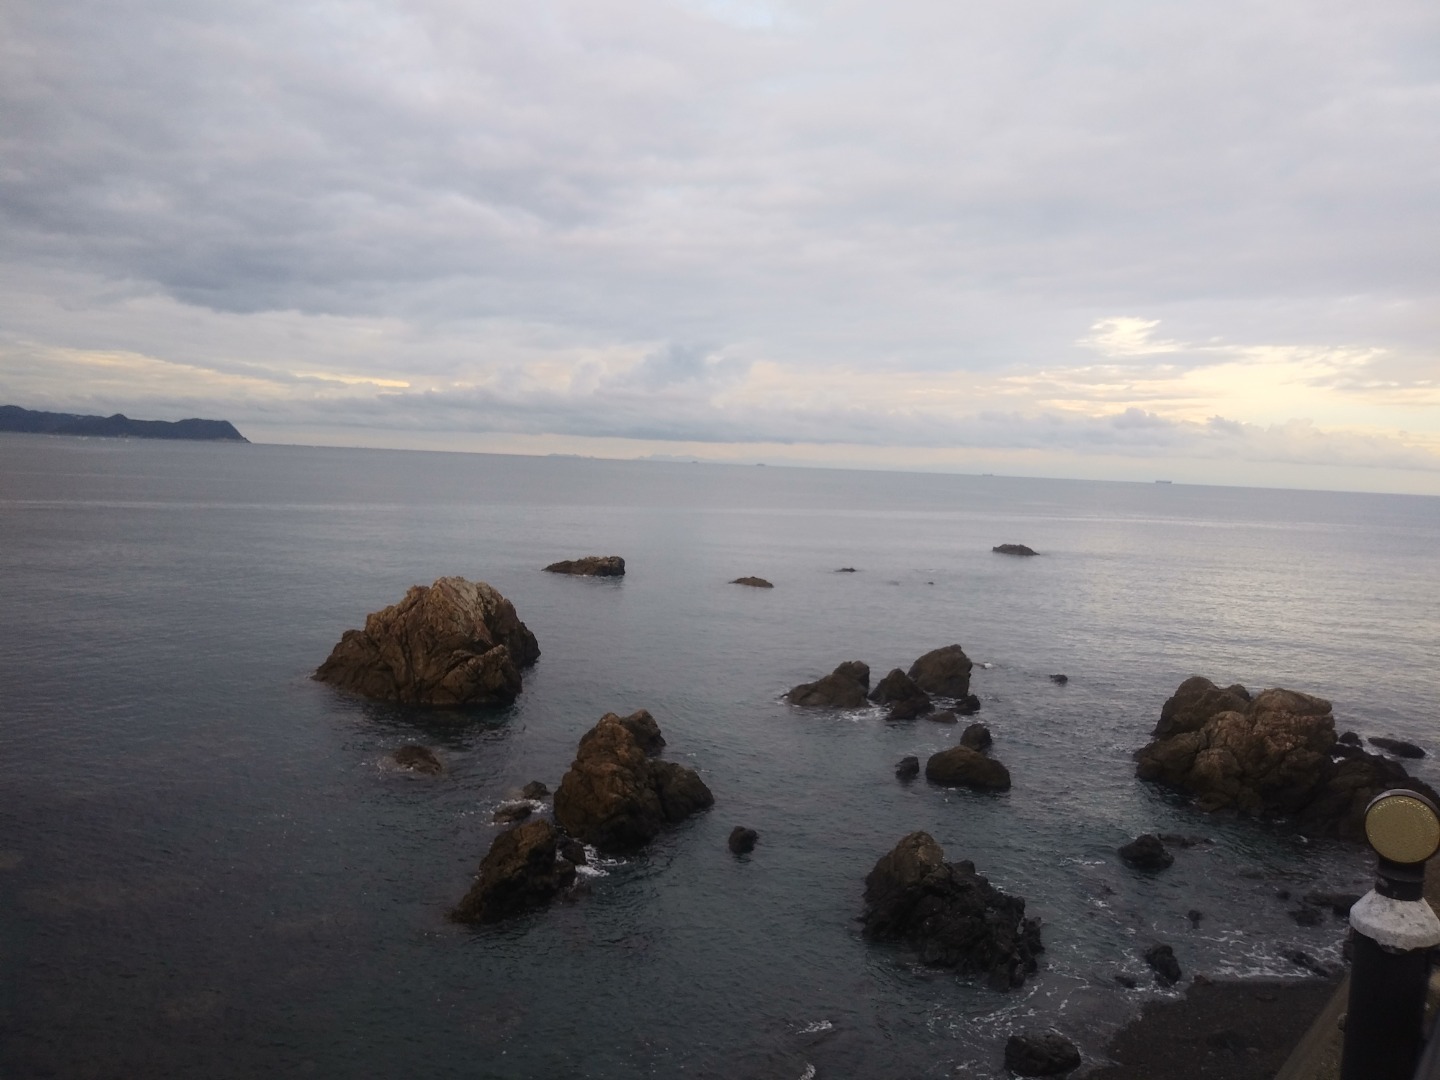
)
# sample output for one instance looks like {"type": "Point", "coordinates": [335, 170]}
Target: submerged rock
{"type": "Point", "coordinates": [944, 672]}
{"type": "Point", "coordinates": [1273, 755]}
{"type": "Point", "coordinates": [420, 759]}
{"type": "Point", "coordinates": [511, 813]}
{"type": "Point", "coordinates": [521, 871]}
{"type": "Point", "coordinates": [1162, 959]}
{"type": "Point", "coordinates": [961, 766]}
{"type": "Point", "coordinates": [1060, 680]}
{"type": "Point", "coordinates": [949, 913]}
{"type": "Point", "coordinates": [455, 642]}
{"type": "Point", "coordinates": [907, 768]}
{"type": "Point", "coordinates": [590, 566]}
{"type": "Point", "coordinates": [616, 796]}
{"type": "Point", "coordinates": [1146, 852]}
{"type": "Point", "coordinates": [847, 687]}
{"type": "Point", "coordinates": [1041, 1054]}
{"type": "Point", "coordinates": [753, 582]}
{"type": "Point", "coordinates": [1013, 549]}
{"type": "Point", "coordinates": [742, 840]}
{"type": "Point", "coordinates": [1398, 747]}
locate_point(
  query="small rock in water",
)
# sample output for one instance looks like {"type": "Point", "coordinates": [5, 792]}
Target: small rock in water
{"type": "Point", "coordinates": [1162, 959]}
{"type": "Point", "coordinates": [1349, 738]}
{"type": "Point", "coordinates": [1060, 680]}
{"type": "Point", "coordinates": [1146, 852]}
{"type": "Point", "coordinates": [962, 767]}
{"type": "Point", "coordinates": [847, 687]}
{"type": "Point", "coordinates": [1303, 959]}
{"type": "Point", "coordinates": [742, 840]}
{"type": "Point", "coordinates": [1194, 917]}
{"type": "Point", "coordinates": [969, 706]}
{"type": "Point", "coordinates": [907, 768]}
{"type": "Point", "coordinates": [1171, 839]}
{"type": "Point", "coordinates": [976, 737]}
{"type": "Point", "coordinates": [512, 812]}
{"type": "Point", "coordinates": [419, 759]}
{"type": "Point", "coordinates": [945, 716]}
{"type": "Point", "coordinates": [519, 872]}
{"type": "Point", "coordinates": [753, 582]}
{"type": "Point", "coordinates": [1041, 1054]}
{"type": "Point", "coordinates": [910, 708]}
{"type": "Point", "coordinates": [590, 566]}
{"type": "Point", "coordinates": [535, 790]}
{"type": "Point", "coordinates": [1398, 747]}
{"type": "Point", "coordinates": [572, 850]}
{"type": "Point", "coordinates": [1282, 894]}
{"type": "Point", "coordinates": [1013, 549]}
{"type": "Point", "coordinates": [1339, 903]}
{"type": "Point", "coordinates": [846, 570]}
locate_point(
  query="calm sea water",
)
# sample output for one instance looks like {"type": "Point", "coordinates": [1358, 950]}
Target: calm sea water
{"type": "Point", "coordinates": [204, 870]}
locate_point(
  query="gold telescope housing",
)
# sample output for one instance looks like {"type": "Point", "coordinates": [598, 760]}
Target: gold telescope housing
{"type": "Point", "coordinates": [1402, 826]}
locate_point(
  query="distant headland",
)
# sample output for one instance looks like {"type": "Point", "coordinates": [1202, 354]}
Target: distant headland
{"type": "Point", "coordinates": [14, 418]}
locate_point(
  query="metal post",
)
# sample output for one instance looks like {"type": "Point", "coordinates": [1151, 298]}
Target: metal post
{"type": "Point", "coordinates": [1394, 931]}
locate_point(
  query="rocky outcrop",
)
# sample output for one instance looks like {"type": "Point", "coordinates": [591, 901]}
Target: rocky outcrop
{"type": "Point", "coordinates": [616, 796]}
{"type": "Point", "coordinates": [521, 871]}
{"type": "Point", "coordinates": [1398, 747]}
{"type": "Point", "coordinates": [976, 737]}
{"type": "Point", "coordinates": [742, 840]}
{"type": "Point", "coordinates": [1273, 755]}
{"type": "Point", "coordinates": [961, 766]}
{"type": "Point", "coordinates": [950, 914]}
{"type": "Point", "coordinates": [944, 672]}
{"type": "Point", "coordinates": [455, 642]}
{"type": "Point", "coordinates": [534, 790]}
{"type": "Point", "coordinates": [753, 582]}
{"type": "Point", "coordinates": [1013, 549]}
{"type": "Point", "coordinates": [907, 768]}
{"type": "Point", "coordinates": [1146, 852]}
{"type": "Point", "coordinates": [844, 688]}
{"type": "Point", "coordinates": [590, 566]}
{"type": "Point", "coordinates": [1040, 1054]}
{"type": "Point", "coordinates": [420, 759]}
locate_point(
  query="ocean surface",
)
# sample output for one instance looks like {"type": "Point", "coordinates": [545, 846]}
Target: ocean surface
{"type": "Point", "coordinates": [206, 871]}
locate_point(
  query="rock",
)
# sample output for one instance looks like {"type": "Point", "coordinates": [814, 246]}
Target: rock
{"type": "Point", "coordinates": [1013, 549]}
{"type": "Point", "coordinates": [520, 872]}
{"type": "Point", "coordinates": [1060, 680]}
{"type": "Point", "coordinates": [1398, 747]}
{"type": "Point", "coordinates": [944, 672]}
{"type": "Point", "coordinates": [846, 570]}
{"type": "Point", "coordinates": [420, 759]}
{"type": "Point", "coordinates": [1268, 756]}
{"type": "Point", "coordinates": [616, 796]}
{"type": "Point", "coordinates": [590, 566]}
{"type": "Point", "coordinates": [1127, 981]}
{"type": "Point", "coordinates": [753, 582]}
{"type": "Point", "coordinates": [1307, 916]}
{"type": "Point", "coordinates": [968, 706]}
{"type": "Point", "coordinates": [949, 913]}
{"type": "Point", "coordinates": [1304, 960]}
{"type": "Point", "coordinates": [641, 725]}
{"type": "Point", "coordinates": [1339, 903]}
{"type": "Point", "coordinates": [455, 642]}
{"type": "Point", "coordinates": [1162, 959]}
{"type": "Point", "coordinates": [572, 850]}
{"type": "Point", "coordinates": [976, 737]}
{"type": "Point", "coordinates": [961, 766]}
{"type": "Point", "coordinates": [534, 790]}
{"type": "Point", "coordinates": [742, 840]}
{"type": "Point", "coordinates": [1349, 738]}
{"type": "Point", "coordinates": [1146, 852]}
{"type": "Point", "coordinates": [907, 768]}
{"type": "Point", "coordinates": [909, 709]}
{"type": "Point", "coordinates": [512, 812]}
{"type": "Point", "coordinates": [897, 686]}
{"type": "Point", "coordinates": [846, 687]}
{"type": "Point", "coordinates": [1194, 917]}
{"type": "Point", "coordinates": [1041, 1054]}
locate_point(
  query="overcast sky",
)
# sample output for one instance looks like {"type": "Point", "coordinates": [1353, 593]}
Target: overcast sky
{"type": "Point", "coordinates": [1191, 240]}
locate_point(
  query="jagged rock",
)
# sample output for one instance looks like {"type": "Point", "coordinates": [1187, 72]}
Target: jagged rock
{"type": "Point", "coordinates": [944, 716]}
{"type": "Point", "coordinates": [959, 766]}
{"type": "Point", "coordinates": [1272, 755]}
{"type": "Point", "coordinates": [1146, 852]}
{"type": "Point", "coordinates": [1349, 738]}
{"type": "Point", "coordinates": [753, 582]}
{"type": "Point", "coordinates": [846, 687]}
{"type": "Point", "coordinates": [1162, 959]}
{"type": "Point", "coordinates": [1013, 549]}
{"type": "Point", "coordinates": [1060, 680]}
{"type": "Point", "coordinates": [952, 915]}
{"type": "Point", "coordinates": [896, 686]}
{"type": "Point", "coordinates": [968, 705]}
{"type": "Point", "coordinates": [944, 672]}
{"type": "Point", "coordinates": [616, 796]}
{"type": "Point", "coordinates": [1041, 1054]}
{"type": "Point", "coordinates": [590, 566]}
{"type": "Point", "coordinates": [976, 737]}
{"type": "Point", "coordinates": [455, 642]}
{"type": "Point", "coordinates": [534, 790]}
{"type": "Point", "coordinates": [571, 850]}
{"type": "Point", "coordinates": [521, 871]}
{"type": "Point", "coordinates": [1398, 747]}
{"type": "Point", "coordinates": [742, 840]}
{"type": "Point", "coordinates": [419, 759]}
{"type": "Point", "coordinates": [512, 812]}
{"type": "Point", "coordinates": [907, 768]}
{"type": "Point", "coordinates": [641, 725]}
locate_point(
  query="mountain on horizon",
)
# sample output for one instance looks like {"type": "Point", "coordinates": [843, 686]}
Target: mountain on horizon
{"type": "Point", "coordinates": [14, 418]}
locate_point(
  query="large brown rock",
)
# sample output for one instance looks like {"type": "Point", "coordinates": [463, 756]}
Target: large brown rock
{"type": "Point", "coordinates": [844, 688]}
{"type": "Point", "coordinates": [944, 671]}
{"type": "Point", "coordinates": [521, 871]}
{"type": "Point", "coordinates": [960, 766]}
{"type": "Point", "coordinates": [455, 642]}
{"type": "Point", "coordinates": [590, 566]}
{"type": "Point", "coordinates": [1271, 756]}
{"type": "Point", "coordinates": [616, 796]}
{"type": "Point", "coordinates": [952, 915]}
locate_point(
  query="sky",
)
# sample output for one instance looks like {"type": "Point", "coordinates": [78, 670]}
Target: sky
{"type": "Point", "coordinates": [1128, 239]}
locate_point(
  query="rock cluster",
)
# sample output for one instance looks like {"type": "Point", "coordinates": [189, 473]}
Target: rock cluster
{"type": "Point", "coordinates": [455, 642]}
{"type": "Point", "coordinates": [615, 795]}
{"type": "Point", "coordinates": [524, 869]}
{"type": "Point", "coordinates": [943, 672]}
{"type": "Point", "coordinates": [952, 915]}
{"type": "Point", "coordinates": [1275, 754]}
{"type": "Point", "coordinates": [590, 566]}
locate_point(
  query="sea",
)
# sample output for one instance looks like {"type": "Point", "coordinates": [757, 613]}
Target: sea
{"type": "Point", "coordinates": [207, 869]}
